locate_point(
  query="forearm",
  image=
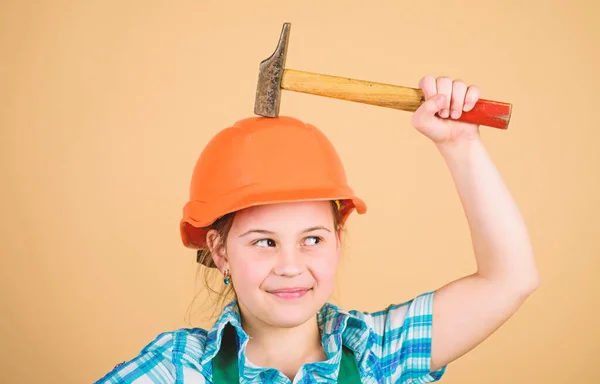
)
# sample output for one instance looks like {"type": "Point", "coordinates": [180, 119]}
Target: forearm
{"type": "Point", "coordinates": [468, 310]}
{"type": "Point", "coordinates": [500, 240]}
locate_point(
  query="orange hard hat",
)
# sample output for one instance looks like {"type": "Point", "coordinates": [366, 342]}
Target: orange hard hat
{"type": "Point", "coordinates": [261, 160]}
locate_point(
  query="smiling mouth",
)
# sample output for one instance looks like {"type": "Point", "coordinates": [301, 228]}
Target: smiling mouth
{"type": "Point", "coordinates": [290, 294]}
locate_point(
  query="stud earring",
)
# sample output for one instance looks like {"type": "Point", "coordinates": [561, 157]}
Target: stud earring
{"type": "Point", "coordinates": [226, 276]}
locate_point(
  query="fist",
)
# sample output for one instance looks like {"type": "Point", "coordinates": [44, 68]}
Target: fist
{"type": "Point", "coordinates": [445, 101]}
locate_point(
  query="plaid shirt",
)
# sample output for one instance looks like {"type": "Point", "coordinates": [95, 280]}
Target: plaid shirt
{"type": "Point", "coordinates": [390, 346]}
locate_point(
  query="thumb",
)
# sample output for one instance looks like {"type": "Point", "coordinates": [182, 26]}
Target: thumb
{"type": "Point", "coordinates": [425, 114]}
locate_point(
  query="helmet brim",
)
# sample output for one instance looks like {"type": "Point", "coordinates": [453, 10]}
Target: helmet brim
{"type": "Point", "coordinates": [197, 216]}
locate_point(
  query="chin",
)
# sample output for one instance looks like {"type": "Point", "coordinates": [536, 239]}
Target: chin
{"type": "Point", "coordinates": [287, 313]}
{"type": "Point", "coordinates": [283, 318]}
{"type": "Point", "coordinates": [283, 312]}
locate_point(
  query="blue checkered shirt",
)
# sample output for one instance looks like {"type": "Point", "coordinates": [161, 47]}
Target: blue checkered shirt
{"type": "Point", "coordinates": [390, 346]}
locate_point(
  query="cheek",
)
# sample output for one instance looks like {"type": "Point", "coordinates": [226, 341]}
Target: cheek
{"type": "Point", "coordinates": [245, 272]}
{"type": "Point", "coordinates": [324, 266]}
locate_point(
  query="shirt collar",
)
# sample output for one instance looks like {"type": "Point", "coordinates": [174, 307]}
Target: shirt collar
{"type": "Point", "coordinates": [229, 316]}
{"type": "Point", "coordinates": [338, 328]}
{"type": "Point", "coordinates": [343, 328]}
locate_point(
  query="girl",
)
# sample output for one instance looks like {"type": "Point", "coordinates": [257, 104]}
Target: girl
{"type": "Point", "coordinates": [268, 204]}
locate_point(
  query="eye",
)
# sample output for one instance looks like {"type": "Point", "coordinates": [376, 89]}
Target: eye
{"type": "Point", "coordinates": [264, 243]}
{"type": "Point", "coordinates": [312, 240]}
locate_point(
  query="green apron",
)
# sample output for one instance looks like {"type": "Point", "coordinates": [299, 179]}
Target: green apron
{"type": "Point", "coordinates": [225, 364]}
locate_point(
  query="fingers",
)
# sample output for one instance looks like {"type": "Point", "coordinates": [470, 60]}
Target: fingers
{"type": "Point", "coordinates": [459, 90]}
{"type": "Point", "coordinates": [428, 86]}
{"type": "Point", "coordinates": [458, 97]}
{"type": "Point", "coordinates": [471, 98]}
{"type": "Point", "coordinates": [426, 112]}
{"type": "Point", "coordinates": [444, 87]}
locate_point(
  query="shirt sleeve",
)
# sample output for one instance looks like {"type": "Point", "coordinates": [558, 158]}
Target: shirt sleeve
{"type": "Point", "coordinates": [153, 365]}
{"type": "Point", "coordinates": [404, 331]}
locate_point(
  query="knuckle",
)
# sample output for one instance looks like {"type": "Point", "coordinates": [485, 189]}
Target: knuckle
{"type": "Point", "coordinates": [459, 85]}
{"type": "Point", "coordinates": [472, 94]}
{"type": "Point", "coordinates": [428, 86]}
{"type": "Point", "coordinates": [444, 81]}
{"type": "Point", "coordinates": [425, 81]}
{"type": "Point", "coordinates": [474, 88]}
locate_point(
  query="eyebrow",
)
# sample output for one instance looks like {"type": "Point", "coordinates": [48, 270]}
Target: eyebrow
{"type": "Point", "coordinates": [265, 232]}
{"type": "Point", "coordinates": [316, 228]}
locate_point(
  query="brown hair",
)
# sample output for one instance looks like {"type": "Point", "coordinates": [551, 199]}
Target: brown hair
{"type": "Point", "coordinates": [204, 257]}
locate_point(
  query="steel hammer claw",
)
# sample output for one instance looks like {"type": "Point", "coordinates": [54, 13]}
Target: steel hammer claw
{"type": "Point", "coordinates": [273, 77]}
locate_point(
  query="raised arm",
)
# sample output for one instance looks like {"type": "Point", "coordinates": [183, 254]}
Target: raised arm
{"type": "Point", "coordinates": [468, 310]}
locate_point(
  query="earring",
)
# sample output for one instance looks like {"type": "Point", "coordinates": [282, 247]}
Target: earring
{"type": "Point", "coordinates": [226, 276]}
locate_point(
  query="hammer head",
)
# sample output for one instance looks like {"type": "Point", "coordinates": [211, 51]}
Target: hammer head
{"type": "Point", "coordinates": [268, 90]}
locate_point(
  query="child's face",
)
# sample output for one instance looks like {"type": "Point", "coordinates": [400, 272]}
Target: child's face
{"type": "Point", "coordinates": [281, 247]}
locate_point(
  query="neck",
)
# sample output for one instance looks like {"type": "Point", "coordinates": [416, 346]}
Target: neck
{"type": "Point", "coordinates": [285, 349]}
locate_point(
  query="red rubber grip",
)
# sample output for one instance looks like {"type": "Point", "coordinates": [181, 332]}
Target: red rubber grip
{"type": "Point", "coordinates": [489, 113]}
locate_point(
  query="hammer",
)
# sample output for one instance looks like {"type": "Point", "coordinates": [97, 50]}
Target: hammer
{"type": "Point", "coordinates": [273, 77]}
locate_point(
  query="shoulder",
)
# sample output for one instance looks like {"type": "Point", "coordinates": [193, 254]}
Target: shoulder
{"type": "Point", "coordinates": [168, 358]}
{"type": "Point", "coordinates": [401, 339]}
{"type": "Point", "coordinates": [418, 310]}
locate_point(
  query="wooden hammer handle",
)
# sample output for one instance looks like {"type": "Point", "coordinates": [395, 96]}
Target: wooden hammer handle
{"type": "Point", "coordinates": [489, 113]}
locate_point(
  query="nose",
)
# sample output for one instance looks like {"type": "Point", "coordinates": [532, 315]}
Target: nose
{"type": "Point", "coordinates": [290, 262]}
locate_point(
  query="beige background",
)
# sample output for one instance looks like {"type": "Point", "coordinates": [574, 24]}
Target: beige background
{"type": "Point", "coordinates": [105, 106]}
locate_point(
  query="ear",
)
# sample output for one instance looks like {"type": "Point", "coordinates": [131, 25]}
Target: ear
{"type": "Point", "coordinates": [216, 246]}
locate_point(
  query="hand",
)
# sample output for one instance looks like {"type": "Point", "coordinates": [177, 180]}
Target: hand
{"type": "Point", "coordinates": [448, 99]}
